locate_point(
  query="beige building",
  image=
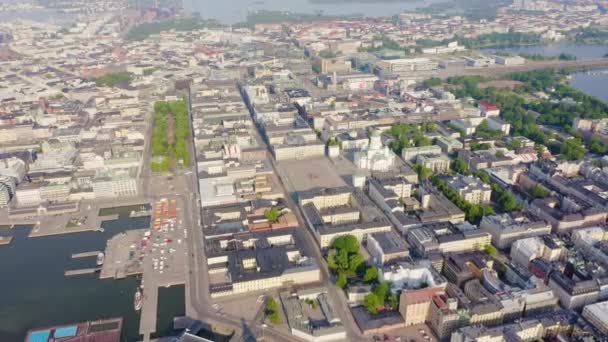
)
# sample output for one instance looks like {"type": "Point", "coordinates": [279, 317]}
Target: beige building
{"type": "Point", "coordinates": [258, 261]}
{"type": "Point", "coordinates": [415, 305]}
{"type": "Point", "coordinates": [411, 153]}
{"type": "Point", "coordinates": [597, 314]}
{"type": "Point", "coordinates": [302, 151]}
{"type": "Point", "coordinates": [335, 212]}
{"type": "Point", "coordinates": [407, 65]}
{"type": "Point", "coordinates": [330, 65]}
{"type": "Point", "coordinates": [436, 163]}
{"type": "Point", "coordinates": [508, 228]}
{"type": "Point", "coordinates": [472, 189]}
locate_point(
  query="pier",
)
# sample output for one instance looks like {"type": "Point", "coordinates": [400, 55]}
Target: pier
{"type": "Point", "coordinates": [85, 254]}
{"type": "Point", "coordinates": [123, 255]}
{"type": "Point", "coordinates": [5, 240]}
{"type": "Point", "coordinates": [82, 271]}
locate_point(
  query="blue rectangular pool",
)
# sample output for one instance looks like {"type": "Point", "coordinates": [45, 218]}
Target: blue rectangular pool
{"type": "Point", "coordinates": [39, 336]}
{"type": "Point", "coordinates": [65, 332]}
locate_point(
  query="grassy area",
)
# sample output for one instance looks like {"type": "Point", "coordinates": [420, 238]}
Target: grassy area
{"type": "Point", "coordinates": [501, 40]}
{"type": "Point", "coordinates": [592, 35]}
{"type": "Point", "coordinates": [145, 30]}
{"type": "Point", "coordinates": [170, 135]}
{"type": "Point", "coordinates": [407, 135]}
{"type": "Point", "coordinates": [114, 79]}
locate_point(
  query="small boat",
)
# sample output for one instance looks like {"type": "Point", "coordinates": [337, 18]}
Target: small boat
{"type": "Point", "coordinates": [100, 258]}
{"type": "Point", "coordinates": [138, 300]}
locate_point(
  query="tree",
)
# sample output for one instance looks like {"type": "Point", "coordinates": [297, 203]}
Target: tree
{"type": "Point", "coordinates": [271, 305]}
{"type": "Point", "coordinates": [342, 280]}
{"type": "Point", "coordinates": [598, 146]}
{"type": "Point", "coordinates": [346, 242]}
{"type": "Point", "coordinates": [271, 311]}
{"type": "Point", "coordinates": [371, 275]}
{"type": "Point", "coordinates": [491, 251]}
{"type": "Point", "coordinates": [572, 149]}
{"type": "Point", "coordinates": [423, 172]}
{"type": "Point", "coordinates": [460, 166]}
{"type": "Point", "coordinates": [513, 145]}
{"type": "Point", "coordinates": [342, 261]}
{"type": "Point", "coordinates": [429, 127]}
{"type": "Point", "coordinates": [483, 176]}
{"type": "Point", "coordinates": [393, 302]}
{"type": "Point", "coordinates": [372, 303]}
{"type": "Point", "coordinates": [540, 150]}
{"type": "Point", "coordinates": [274, 318]}
{"type": "Point", "coordinates": [433, 82]}
{"type": "Point", "coordinates": [480, 146]}
{"type": "Point", "coordinates": [355, 262]}
{"type": "Point", "coordinates": [421, 140]}
{"type": "Point", "coordinates": [508, 203]}
{"type": "Point", "coordinates": [332, 263]}
{"type": "Point", "coordinates": [333, 142]}
{"type": "Point", "coordinates": [473, 214]}
{"type": "Point", "coordinates": [382, 290]}
{"type": "Point", "coordinates": [114, 79]}
{"type": "Point", "coordinates": [539, 191]}
{"type": "Point", "coordinates": [272, 215]}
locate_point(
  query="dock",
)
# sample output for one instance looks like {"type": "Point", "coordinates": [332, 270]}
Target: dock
{"type": "Point", "coordinates": [82, 271]}
{"type": "Point", "coordinates": [85, 254]}
{"type": "Point", "coordinates": [85, 218]}
{"type": "Point", "coordinates": [149, 309]}
{"type": "Point", "coordinates": [123, 255]}
{"type": "Point", "coordinates": [166, 236]}
{"type": "Point", "coordinates": [5, 240]}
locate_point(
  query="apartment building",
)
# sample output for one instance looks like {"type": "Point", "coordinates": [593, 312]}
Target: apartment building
{"type": "Point", "coordinates": [597, 315]}
{"type": "Point", "coordinates": [333, 212]}
{"type": "Point", "coordinates": [508, 228]}
{"type": "Point", "coordinates": [258, 261]}
{"type": "Point", "coordinates": [472, 189]}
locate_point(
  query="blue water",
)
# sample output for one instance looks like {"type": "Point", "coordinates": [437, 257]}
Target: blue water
{"type": "Point", "coordinates": [34, 293]}
{"type": "Point", "coordinates": [234, 11]}
{"type": "Point", "coordinates": [594, 83]}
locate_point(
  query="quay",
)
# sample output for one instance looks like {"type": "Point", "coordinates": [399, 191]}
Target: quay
{"type": "Point", "coordinates": [5, 240]}
{"type": "Point", "coordinates": [82, 271]}
{"type": "Point", "coordinates": [70, 217]}
{"type": "Point", "coordinates": [85, 254]}
{"type": "Point", "coordinates": [167, 244]}
{"type": "Point", "coordinates": [123, 255]}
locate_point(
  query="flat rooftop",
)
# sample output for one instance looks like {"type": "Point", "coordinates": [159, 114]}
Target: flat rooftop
{"type": "Point", "coordinates": [304, 175]}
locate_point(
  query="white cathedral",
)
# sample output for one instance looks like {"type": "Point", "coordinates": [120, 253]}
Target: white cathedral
{"type": "Point", "coordinates": [375, 156]}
